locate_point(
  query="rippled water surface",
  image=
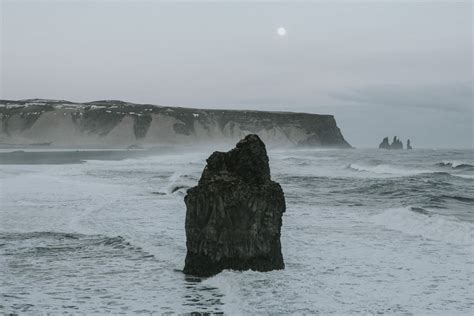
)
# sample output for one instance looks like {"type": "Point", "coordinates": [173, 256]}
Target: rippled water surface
{"type": "Point", "coordinates": [366, 231]}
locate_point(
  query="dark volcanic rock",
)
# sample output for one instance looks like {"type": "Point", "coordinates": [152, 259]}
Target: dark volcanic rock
{"type": "Point", "coordinates": [234, 214]}
{"type": "Point", "coordinates": [396, 144]}
{"type": "Point", "coordinates": [384, 144]}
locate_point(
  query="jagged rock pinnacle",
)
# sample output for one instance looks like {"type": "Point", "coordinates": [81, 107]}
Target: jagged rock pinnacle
{"type": "Point", "coordinates": [234, 215]}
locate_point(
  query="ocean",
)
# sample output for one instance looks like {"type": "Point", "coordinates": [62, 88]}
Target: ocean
{"type": "Point", "coordinates": [366, 231]}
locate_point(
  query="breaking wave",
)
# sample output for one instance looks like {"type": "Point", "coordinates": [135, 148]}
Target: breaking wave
{"type": "Point", "coordinates": [459, 165]}
{"type": "Point", "coordinates": [178, 183]}
{"type": "Point", "coordinates": [420, 222]}
{"type": "Point", "coordinates": [53, 243]}
{"type": "Point", "coordinates": [464, 176]}
{"type": "Point", "coordinates": [386, 169]}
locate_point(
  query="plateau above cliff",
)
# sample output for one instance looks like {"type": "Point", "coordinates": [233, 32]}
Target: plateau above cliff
{"type": "Point", "coordinates": [116, 123]}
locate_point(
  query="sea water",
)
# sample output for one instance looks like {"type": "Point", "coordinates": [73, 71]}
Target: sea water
{"type": "Point", "coordinates": [365, 231]}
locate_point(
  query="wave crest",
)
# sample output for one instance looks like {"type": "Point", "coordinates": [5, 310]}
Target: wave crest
{"type": "Point", "coordinates": [386, 169]}
{"type": "Point", "coordinates": [455, 165]}
{"type": "Point", "coordinates": [412, 221]}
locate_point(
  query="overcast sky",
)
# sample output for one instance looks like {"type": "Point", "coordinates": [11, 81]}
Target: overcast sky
{"type": "Point", "coordinates": [383, 69]}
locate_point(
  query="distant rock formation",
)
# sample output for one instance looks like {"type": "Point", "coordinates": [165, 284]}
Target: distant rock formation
{"type": "Point", "coordinates": [122, 124]}
{"type": "Point", "coordinates": [384, 144]}
{"type": "Point", "coordinates": [409, 145]}
{"type": "Point", "coordinates": [396, 143]}
{"type": "Point", "coordinates": [234, 214]}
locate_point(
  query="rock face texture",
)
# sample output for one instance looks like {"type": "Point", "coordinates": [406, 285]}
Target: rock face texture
{"type": "Point", "coordinates": [234, 214]}
{"type": "Point", "coordinates": [122, 124]}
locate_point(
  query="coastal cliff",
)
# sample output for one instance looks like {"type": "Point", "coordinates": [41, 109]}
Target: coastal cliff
{"type": "Point", "coordinates": [117, 123]}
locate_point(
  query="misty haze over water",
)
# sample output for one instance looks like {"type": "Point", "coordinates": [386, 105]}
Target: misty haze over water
{"type": "Point", "coordinates": [387, 68]}
{"type": "Point", "coordinates": [92, 190]}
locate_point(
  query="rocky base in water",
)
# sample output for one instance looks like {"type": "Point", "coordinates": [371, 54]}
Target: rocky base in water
{"type": "Point", "coordinates": [123, 124]}
{"type": "Point", "coordinates": [234, 215]}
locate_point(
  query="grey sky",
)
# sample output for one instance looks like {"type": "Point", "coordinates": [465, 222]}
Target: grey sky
{"type": "Point", "coordinates": [382, 69]}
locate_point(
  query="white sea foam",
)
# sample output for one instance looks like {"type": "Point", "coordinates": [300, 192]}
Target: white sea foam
{"type": "Point", "coordinates": [454, 163]}
{"type": "Point", "coordinates": [337, 260]}
{"type": "Point", "coordinates": [177, 183]}
{"type": "Point", "coordinates": [387, 170]}
{"type": "Point", "coordinates": [228, 284]}
{"type": "Point", "coordinates": [432, 226]}
{"type": "Point", "coordinates": [465, 176]}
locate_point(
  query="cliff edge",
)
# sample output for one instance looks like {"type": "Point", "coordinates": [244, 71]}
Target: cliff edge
{"type": "Point", "coordinates": [123, 124]}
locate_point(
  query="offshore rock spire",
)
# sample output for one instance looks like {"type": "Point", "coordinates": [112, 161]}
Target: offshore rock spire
{"type": "Point", "coordinates": [234, 214]}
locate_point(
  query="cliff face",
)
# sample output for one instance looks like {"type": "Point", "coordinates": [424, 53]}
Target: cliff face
{"type": "Point", "coordinates": [117, 123]}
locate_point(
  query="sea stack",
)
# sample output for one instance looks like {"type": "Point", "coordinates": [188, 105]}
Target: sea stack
{"type": "Point", "coordinates": [409, 145]}
{"type": "Point", "coordinates": [234, 214]}
{"type": "Point", "coordinates": [384, 144]}
{"type": "Point", "coordinates": [396, 143]}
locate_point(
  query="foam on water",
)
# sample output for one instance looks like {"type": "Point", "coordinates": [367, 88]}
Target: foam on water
{"type": "Point", "coordinates": [179, 183]}
{"type": "Point", "coordinates": [426, 225]}
{"type": "Point", "coordinates": [387, 170]}
{"type": "Point", "coordinates": [464, 176]}
{"type": "Point", "coordinates": [109, 237]}
{"type": "Point", "coordinates": [455, 164]}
